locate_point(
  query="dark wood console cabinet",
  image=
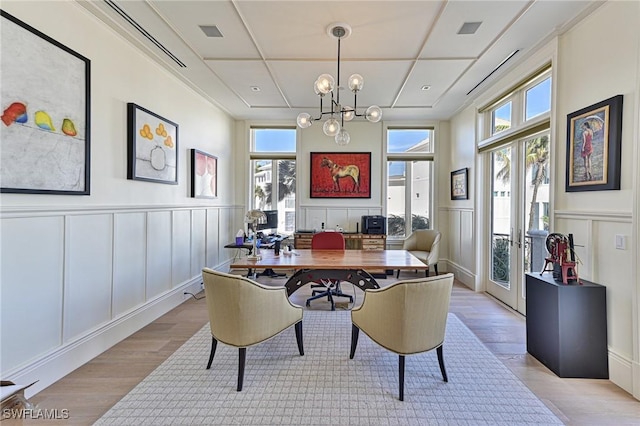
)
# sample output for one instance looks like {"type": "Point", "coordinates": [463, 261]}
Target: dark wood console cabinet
{"type": "Point", "coordinates": [567, 326]}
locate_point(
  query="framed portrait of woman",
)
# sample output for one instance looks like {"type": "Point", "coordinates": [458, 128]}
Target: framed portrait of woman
{"type": "Point", "coordinates": [593, 147]}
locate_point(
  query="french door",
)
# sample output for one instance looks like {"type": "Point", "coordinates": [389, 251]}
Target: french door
{"type": "Point", "coordinates": [519, 216]}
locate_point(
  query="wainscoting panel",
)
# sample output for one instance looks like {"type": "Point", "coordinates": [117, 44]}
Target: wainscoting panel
{"type": "Point", "coordinates": [227, 232]}
{"type": "Point", "coordinates": [181, 256]}
{"type": "Point", "coordinates": [312, 217]}
{"type": "Point", "coordinates": [76, 281]}
{"type": "Point", "coordinates": [458, 229]}
{"type": "Point", "coordinates": [213, 243]}
{"type": "Point", "coordinates": [599, 261]}
{"type": "Point", "coordinates": [198, 241]}
{"type": "Point", "coordinates": [337, 217]}
{"type": "Point", "coordinates": [467, 240]}
{"type": "Point", "coordinates": [88, 273]}
{"type": "Point", "coordinates": [129, 252]}
{"type": "Point", "coordinates": [31, 272]}
{"type": "Point", "coordinates": [158, 253]}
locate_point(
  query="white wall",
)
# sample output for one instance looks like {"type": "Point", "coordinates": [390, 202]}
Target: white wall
{"type": "Point", "coordinates": [596, 59]}
{"type": "Point", "coordinates": [346, 212]}
{"type": "Point", "coordinates": [80, 273]}
{"type": "Point", "coordinates": [595, 217]}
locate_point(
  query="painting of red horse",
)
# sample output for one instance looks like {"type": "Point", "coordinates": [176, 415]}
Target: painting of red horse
{"type": "Point", "coordinates": [340, 175]}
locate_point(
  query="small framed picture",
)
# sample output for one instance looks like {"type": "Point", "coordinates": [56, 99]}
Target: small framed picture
{"type": "Point", "coordinates": [204, 175]}
{"type": "Point", "coordinates": [152, 146]}
{"type": "Point", "coordinates": [459, 184]}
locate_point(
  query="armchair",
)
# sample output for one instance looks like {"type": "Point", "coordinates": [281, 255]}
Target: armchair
{"type": "Point", "coordinates": [425, 245]}
{"type": "Point", "coordinates": [414, 320]}
{"type": "Point", "coordinates": [243, 313]}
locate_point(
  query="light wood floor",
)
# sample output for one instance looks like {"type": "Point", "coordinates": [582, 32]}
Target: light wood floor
{"type": "Point", "coordinates": [95, 387]}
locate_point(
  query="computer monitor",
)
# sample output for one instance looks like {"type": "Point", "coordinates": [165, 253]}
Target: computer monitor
{"type": "Point", "coordinates": [271, 222]}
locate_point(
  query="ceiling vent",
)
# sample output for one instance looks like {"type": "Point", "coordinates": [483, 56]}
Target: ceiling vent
{"type": "Point", "coordinates": [469, 27]}
{"type": "Point", "coordinates": [211, 31]}
{"type": "Point", "coordinates": [511, 55]}
{"type": "Point", "coordinates": [144, 32]}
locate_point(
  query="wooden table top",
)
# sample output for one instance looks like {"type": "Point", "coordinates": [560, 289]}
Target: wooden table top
{"type": "Point", "coordinates": [333, 259]}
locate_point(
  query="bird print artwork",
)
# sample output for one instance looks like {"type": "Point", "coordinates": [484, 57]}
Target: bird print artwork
{"type": "Point", "coordinates": [15, 113]}
{"type": "Point", "coordinates": [68, 128]}
{"type": "Point", "coordinates": [43, 120]}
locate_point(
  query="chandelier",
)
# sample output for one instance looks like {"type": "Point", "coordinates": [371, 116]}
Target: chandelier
{"type": "Point", "coordinates": [338, 113]}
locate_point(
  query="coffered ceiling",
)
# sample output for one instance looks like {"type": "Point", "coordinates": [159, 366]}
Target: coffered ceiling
{"type": "Point", "coordinates": [270, 53]}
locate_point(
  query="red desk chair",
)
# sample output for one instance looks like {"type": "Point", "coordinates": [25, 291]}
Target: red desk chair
{"type": "Point", "coordinates": [328, 241]}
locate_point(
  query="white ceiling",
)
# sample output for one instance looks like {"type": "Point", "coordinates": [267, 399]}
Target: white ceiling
{"type": "Point", "coordinates": [282, 46]}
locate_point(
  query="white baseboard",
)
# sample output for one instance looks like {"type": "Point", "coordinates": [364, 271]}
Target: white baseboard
{"type": "Point", "coordinates": [53, 366]}
{"type": "Point", "coordinates": [463, 275]}
{"type": "Point", "coordinates": [621, 372]}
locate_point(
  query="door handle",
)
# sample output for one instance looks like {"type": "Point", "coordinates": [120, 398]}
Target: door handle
{"type": "Point", "coordinates": [519, 238]}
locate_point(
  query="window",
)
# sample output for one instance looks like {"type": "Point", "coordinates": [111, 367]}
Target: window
{"type": "Point", "coordinates": [501, 118]}
{"type": "Point", "coordinates": [273, 173]}
{"type": "Point", "coordinates": [409, 180]}
{"type": "Point", "coordinates": [538, 99]}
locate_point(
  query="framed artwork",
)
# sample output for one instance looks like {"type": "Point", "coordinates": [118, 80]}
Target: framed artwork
{"type": "Point", "coordinates": [152, 143]}
{"type": "Point", "coordinates": [45, 105]}
{"type": "Point", "coordinates": [340, 175]}
{"type": "Point", "coordinates": [204, 175]}
{"type": "Point", "coordinates": [593, 147]}
{"type": "Point", "coordinates": [459, 184]}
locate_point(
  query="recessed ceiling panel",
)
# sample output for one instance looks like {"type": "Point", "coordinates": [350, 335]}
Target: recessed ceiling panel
{"type": "Point", "coordinates": [444, 41]}
{"type": "Point", "coordinates": [438, 74]}
{"type": "Point", "coordinates": [186, 17]}
{"type": "Point", "coordinates": [382, 80]}
{"type": "Point", "coordinates": [244, 76]}
{"type": "Point", "coordinates": [380, 29]}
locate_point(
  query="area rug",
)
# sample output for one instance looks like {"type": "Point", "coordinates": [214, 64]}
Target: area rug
{"type": "Point", "coordinates": [325, 387]}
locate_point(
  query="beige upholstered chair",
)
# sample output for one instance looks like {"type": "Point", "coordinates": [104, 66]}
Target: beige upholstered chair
{"type": "Point", "coordinates": [243, 312]}
{"type": "Point", "coordinates": [414, 320]}
{"type": "Point", "coordinates": [425, 245]}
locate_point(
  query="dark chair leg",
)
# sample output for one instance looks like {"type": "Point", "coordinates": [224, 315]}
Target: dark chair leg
{"type": "Point", "coordinates": [241, 360]}
{"type": "Point", "coordinates": [435, 268]}
{"type": "Point", "coordinates": [398, 274]}
{"type": "Point", "coordinates": [214, 343]}
{"type": "Point", "coordinates": [355, 332]}
{"type": "Point", "coordinates": [401, 378]}
{"type": "Point", "coordinates": [441, 362]}
{"type": "Point", "coordinates": [299, 338]}
{"type": "Point", "coordinates": [426, 272]}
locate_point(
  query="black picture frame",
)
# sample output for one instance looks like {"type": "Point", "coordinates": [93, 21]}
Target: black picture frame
{"type": "Point", "coordinates": [204, 174]}
{"type": "Point", "coordinates": [45, 134]}
{"type": "Point", "coordinates": [152, 146]}
{"type": "Point", "coordinates": [460, 184]}
{"type": "Point", "coordinates": [594, 142]}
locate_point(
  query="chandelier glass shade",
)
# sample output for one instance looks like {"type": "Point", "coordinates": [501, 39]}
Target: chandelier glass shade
{"type": "Point", "coordinates": [338, 113]}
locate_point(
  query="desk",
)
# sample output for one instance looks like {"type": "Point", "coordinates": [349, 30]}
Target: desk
{"type": "Point", "coordinates": [348, 265]}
